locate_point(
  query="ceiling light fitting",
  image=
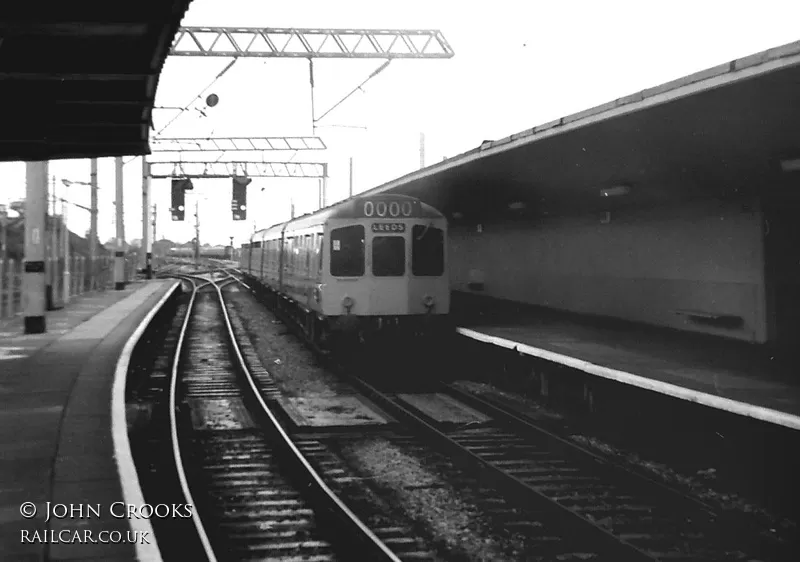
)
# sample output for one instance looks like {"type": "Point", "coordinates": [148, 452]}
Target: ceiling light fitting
{"type": "Point", "coordinates": [615, 191]}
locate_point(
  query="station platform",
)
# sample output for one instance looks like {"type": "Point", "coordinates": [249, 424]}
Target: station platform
{"type": "Point", "coordinates": [60, 433]}
{"type": "Point", "coordinates": [733, 376]}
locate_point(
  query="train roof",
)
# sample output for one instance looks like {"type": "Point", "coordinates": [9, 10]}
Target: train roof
{"type": "Point", "coordinates": [347, 209]}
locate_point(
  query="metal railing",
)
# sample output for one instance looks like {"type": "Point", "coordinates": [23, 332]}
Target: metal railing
{"type": "Point", "coordinates": [84, 276]}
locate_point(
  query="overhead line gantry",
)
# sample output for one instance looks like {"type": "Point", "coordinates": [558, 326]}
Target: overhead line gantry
{"type": "Point", "coordinates": [201, 170]}
{"type": "Point", "coordinates": [224, 144]}
{"type": "Point", "coordinates": [274, 42]}
{"type": "Point", "coordinates": [310, 43]}
{"type": "Point", "coordinates": [263, 42]}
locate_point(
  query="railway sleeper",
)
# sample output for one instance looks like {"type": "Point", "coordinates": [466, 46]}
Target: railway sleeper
{"type": "Point", "coordinates": [268, 514]}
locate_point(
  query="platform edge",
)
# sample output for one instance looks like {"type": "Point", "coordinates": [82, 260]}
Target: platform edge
{"type": "Point", "coordinates": [126, 469]}
{"type": "Point", "coordinates": [718, 402]}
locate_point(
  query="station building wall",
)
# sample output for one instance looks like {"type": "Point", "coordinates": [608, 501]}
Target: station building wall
{"type": "Point", "coordinates": [650, 266]}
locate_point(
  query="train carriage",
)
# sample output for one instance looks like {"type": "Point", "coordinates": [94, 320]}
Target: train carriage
{"type": "Point", "coordinates": [367, 266]}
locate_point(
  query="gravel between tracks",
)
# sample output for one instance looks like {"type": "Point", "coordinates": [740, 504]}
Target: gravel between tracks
{"type": "Point", "coordinates": [430, 500]}
{"type": "Point", "coordinates": [288, 360]}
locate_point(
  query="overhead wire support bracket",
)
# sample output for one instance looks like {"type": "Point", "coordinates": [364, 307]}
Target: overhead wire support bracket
{"type": "Point", "coordinates": [202, 170]}
{"type": "Point", "coordinates": [186, 107]}
{"type": "Point", "coordinates": [357, 88]}
{"type": "Point", "coordinates": [310, 43]}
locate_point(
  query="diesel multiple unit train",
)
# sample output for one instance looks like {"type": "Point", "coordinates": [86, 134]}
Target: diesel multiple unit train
{"type": "Point", "coordinates": [366, 267]}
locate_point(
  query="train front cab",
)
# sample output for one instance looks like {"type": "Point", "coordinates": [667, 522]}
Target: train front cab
{"type": "Point", "coordinates": [386, 277]}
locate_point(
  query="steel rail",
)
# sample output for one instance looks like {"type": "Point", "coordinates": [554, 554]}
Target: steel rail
{"type": "Point", "coordinates": [378, 549]}
{"type": "Point", "coordinates": [516, 490]}
{"type": "Point", "coordinates": [173, 424]}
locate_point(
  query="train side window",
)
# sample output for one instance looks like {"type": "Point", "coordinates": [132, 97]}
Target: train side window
{"type": "Point", "coordinates": [347, 251]}
{"type": "Point", "coordinates": [427, 251]}
{"type": "Point", "coordinates": [388, 256]}
{"type": "Point", "coordinates": [320, 249]}
{"type": "Point", "coordinates": [307, 249]}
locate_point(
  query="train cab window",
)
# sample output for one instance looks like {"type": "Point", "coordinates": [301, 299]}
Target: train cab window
{"type": "Point", "coordinates": [388, 256]}
{"type": "Point", "coordinates": [347, 251]}
{"type": "Point", "coordinates": [427, 251]}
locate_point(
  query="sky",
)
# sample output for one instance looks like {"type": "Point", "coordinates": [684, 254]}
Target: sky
{"type": "Point", "coordinates": [516, 65]}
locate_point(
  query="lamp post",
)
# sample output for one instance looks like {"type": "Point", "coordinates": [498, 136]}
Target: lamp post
{"type": "Point", "coordinates": [65, 239]}
{"type": "Point", "coordinates": [93, 224]}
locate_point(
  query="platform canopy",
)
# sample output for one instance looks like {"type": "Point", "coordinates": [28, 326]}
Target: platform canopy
{"type": "Point", "coordinates": [78, 78]}
{"type": "Point", "coordinates": [729, 130]}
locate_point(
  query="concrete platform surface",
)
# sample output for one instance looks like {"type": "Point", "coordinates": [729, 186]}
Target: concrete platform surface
{"type": "Point", "coordinates": [727, 375]}
{"type": "Point", "coordinates": [55, 428]}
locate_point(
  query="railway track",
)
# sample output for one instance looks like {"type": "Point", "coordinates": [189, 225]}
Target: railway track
{"type": "Point", "coordinates": [611, 509]}
{"type": "Point", "coordinates": [326, 451]}
{"type": "Point", "coordinates": [254, 494]}
{"type": "Point", "coordinates": [614, 513]}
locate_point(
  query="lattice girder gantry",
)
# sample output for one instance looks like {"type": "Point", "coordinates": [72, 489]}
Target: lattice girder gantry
{"type": "Point", "coordinates": [226, 144]}
{"type": "Point", "coordinates": [310, 43]}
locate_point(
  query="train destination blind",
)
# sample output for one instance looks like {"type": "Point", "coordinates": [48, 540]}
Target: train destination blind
{"type": "Point", "coordinates": [388, 227]}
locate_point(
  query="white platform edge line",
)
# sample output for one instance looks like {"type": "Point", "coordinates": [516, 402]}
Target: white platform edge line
{"type": "Point", "coordinates": [129, 479]}
{"type": "Point", "coordinates": [718, 402]}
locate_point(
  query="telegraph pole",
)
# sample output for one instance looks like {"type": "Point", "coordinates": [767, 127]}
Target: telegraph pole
{"type": "Point", "coordinates": [421, 150]}
{"type": "Point", "coordinates": [155, 215]}
{"type": "Point", "coordinates": [65, 232]}
{"type": "Point", "coordinates": [93, 227]}
{"type": "Point", "coordinates": [155, 239]}
{"type": "Point", "coordinates": [146, 254]}
{"type": "Point", "coordinates": [351, 176]}
{"type": "Point", "coordinates": [323, 186]}
{"type": "Point", "coordinates": [197, 232]}
{"type": "Point", "coordinates": [53, 273]}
